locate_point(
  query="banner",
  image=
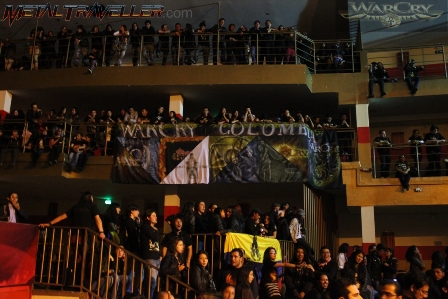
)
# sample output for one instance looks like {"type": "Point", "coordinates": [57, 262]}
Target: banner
{"type": "Point", "coordinates": [188, 153]}
{"type": "Point", "coordinates": [19, 251]}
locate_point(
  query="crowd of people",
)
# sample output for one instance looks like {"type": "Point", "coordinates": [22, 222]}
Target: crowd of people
{"type": "Point", "coordinates": [350, 274]}
{"type": "Point", "coordinates": [94, 133]}
{"type": "Point", "coordinates": [433, 141]}
{"type": "Point", "coordinates": [232, 44]}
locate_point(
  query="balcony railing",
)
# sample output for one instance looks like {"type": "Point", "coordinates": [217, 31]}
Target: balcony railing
{"type": "Point", "coordinates": [77, 259]}
{"type": "Point", "coordinates": [416, 156]}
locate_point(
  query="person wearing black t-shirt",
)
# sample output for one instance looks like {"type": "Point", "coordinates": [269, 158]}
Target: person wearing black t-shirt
{"type": "Point", "coordinates": [433, 150]}
{"type": "Point", "coordinates": [178, 233]}
{"type": "Point", "coordinates": [83, 214]}
{"type": "Point", "coordinates": [150, 248]}
{"type": "Point", "coordinates": [383, 145]}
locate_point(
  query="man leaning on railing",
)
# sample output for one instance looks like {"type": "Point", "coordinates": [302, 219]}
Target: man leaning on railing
{"type": "Point", "coordinates": [82, 215]}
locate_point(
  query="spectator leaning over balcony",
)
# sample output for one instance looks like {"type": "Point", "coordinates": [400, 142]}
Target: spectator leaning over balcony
{"type": "Point", "coordinates": [383, 145]}
{"type": "Point", "coordinates": [205, 118]}
{"type": "Point", "coordinates": [248, 117]}
{"type": "Point", "coordinates": [189, 44]}
{"type": "Point", "coordinates": [9, 52]}
{"type": "Point", "coordinates": [159, 117]}
{"type": "Point", "coordinates": [403, 169]}
{"type": "Point", "coordinates": [415, 142]}
{"type": "Point", "coordinates": [221, 30]}
{"type": "Point", "coordinates": [177, 44]}
{"type": "Point", "coordinates": [377, 73]}
{"type": "Point", "coordinates": [255, 40]}
{"type": "Point", "coordinates": [131, 116]}
{"type": "Point", "coordinates": [148, 32]}
{"type": "Point", "coordinates": [268, 39]}
{"type": "Point", "coordinates": [203, 43]}
{"type": "Point", "coordinates": [433, 150]}
{"type": "Point", "coordinates": [96, 36]}
{"type": "Point", "coordinates": [121, 43]}
{"type": "Point", "coordinates": [164, 42]}
{"type": "Point", "coordinates": [135, 35]}
{"type": "Point", "coordinates": [411, 75]}
{"type": "Point", "coordinates": [82, 45]}
{"type": "Point", "coordinates": [108, 33]}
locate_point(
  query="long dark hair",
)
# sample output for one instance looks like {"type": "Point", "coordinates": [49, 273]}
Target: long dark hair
{"type": "Point", "coordinates": [410, 253]}
{"type": "Point", "coordinates": [196, 259]}
{"type": "Point", "coordinates": [266, 255]}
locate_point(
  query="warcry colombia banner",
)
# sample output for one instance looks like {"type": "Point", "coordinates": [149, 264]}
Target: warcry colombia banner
{"type": "Point", "coordinates": [188, 153]}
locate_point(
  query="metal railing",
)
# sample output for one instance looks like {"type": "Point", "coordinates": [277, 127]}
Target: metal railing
{"type": "Point", "coordinates": [432, 57]}
{"type": "Point", "coordinates": [201, 48]}
{"type": "Point", "coordinates": [422, 163]}
{"type": "Point", "coordinates": [77, 259]}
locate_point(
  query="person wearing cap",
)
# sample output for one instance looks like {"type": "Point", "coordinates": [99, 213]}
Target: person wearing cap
{"type": "Point", "coordinates": [251, 226]}
{"type": "Point", "coordinates": [433, 150]}
{"type": "Point", "coordinates": [411, 75]}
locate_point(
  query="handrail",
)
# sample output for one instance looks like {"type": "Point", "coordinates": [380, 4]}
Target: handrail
{"type": "Point", "coordinates": [84, 256]}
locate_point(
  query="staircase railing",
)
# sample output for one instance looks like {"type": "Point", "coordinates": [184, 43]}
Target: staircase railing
{"type": "Point", "coordinates": [77, 259]}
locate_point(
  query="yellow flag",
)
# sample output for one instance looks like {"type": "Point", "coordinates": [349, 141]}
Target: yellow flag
{"type": "Point", "coordinates": [253, 246]}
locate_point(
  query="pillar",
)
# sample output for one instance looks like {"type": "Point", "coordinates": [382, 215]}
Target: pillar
{"type": "Point", "coordinates": [177, 104]}
{"type": "Point", "coordinates": [5, 103]}
{"type": "Point", "coordinates": [368, 227]}
{"type": "Point", "coordinates": [171, 206]}
{"type": "Point", "coordinates": [362, 120]}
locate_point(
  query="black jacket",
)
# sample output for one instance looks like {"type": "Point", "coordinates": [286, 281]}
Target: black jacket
{"type": "Point", "coordinates": [200, 280]}
{"type": "Point", "coordinates": [21, 215]}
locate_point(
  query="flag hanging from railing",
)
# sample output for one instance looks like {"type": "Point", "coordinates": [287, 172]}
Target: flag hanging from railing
{"type": "Point", "coordinates": [232, 153]}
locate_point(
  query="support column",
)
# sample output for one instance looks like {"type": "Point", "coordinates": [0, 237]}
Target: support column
{"type": "Point", "coordinates": [368, 227]}
{"type": "Point", "coordinates": [362, 120]}
{"type": "Point", "coordinates": [177, 104]}
{"type": "Point", "coordinates": [5, 103]}
{"type": "Point", "coordinates": [171, 205]}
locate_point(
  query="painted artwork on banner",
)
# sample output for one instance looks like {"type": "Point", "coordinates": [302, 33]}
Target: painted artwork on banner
{"type": "Point", "coordinates": [249, 153]}
{"type": "Point", "coordinates": [136, 161]}
{"type": "Point", "coordinates": [193, 169]}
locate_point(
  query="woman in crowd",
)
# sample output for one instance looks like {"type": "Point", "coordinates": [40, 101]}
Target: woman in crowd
{"type": "Point", "coordinates": [358, 271]}
{"type": "Point", "coordinates": [307, 121]}
{"type": "Point", "coordinates": [414, 258]}
{"type": "Point", "coordinates": [390, 265]}
{"type": "Point", "coordinates": [342, 257]}
{"type": "Point", "coordinates": [270, 227]}
{"type": "Point", "coordinates": [242, 45]}
{"type": "Point", "coordinates": [269, 275]}
{"type": "Point", "coordinates": [112, 222]}
{"type": "Point", "coordinates": [299, 280]}
{"type": "Point", "coordinates": [243, 290]}
{"type": "Point", "coordinates": [121, 43]}
{"type": "Point", "coordinates": [132, 229]}
{"type": "Point", "coordinates": [189, 44]}
{"type": "Point", "coordinates": [48, 50]}
{"type": "Point", "coordinates": [222, 117]}
{"type": "Point", "coordinates": [172, 116]}
{"type": "Point", "coordinates": [326, 264]}
{"type": "Point", "coordinates": [200, 278]}
{"type": "Point", "coordinates": [173, 263]}
{"type": "Point", "coordinates": [159, 117]}
{"type": "Point", "coordinates": [235, 118]}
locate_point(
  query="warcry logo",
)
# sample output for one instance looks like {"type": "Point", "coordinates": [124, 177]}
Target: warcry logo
{"type": "Point", "coordinates": [390, 15]}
